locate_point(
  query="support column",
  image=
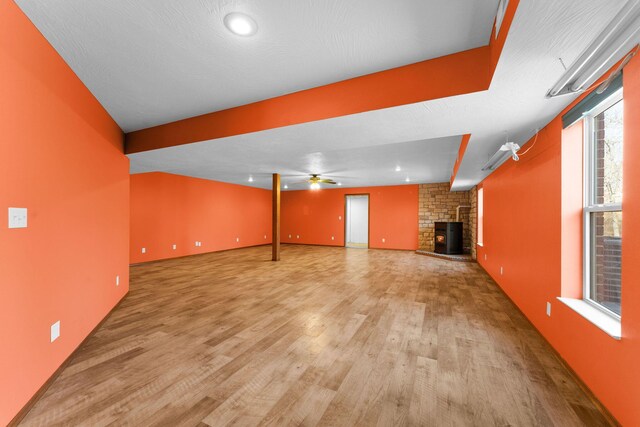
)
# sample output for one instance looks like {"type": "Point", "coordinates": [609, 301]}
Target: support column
{"type": "Point", "coordinates": [275, 243]}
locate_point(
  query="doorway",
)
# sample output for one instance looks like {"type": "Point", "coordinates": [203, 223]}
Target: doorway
{"type": "Point", "coordinates": [357, 221]}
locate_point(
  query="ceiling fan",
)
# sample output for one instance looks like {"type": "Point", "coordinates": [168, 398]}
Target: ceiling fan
{"type": "Point", "coordinates": [315, 181]}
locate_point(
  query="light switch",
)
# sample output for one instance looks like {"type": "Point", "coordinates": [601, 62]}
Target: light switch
{"type": "Point", "coordinates": [55, 331]}
{"type": "Point", "coordinates": [174, 247]}
{"type": "Point", "coordinates": [549, 309]}
{"type": "Point", "coordinates": [17, 217]}
{"type": "Point", "coordinates": [144, 250]}
{"type": "Point", "coordinates": [117, 280]}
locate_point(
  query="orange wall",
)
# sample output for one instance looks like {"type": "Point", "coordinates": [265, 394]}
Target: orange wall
{"type": "Point", "coordinates": [60, 157]}
{"type": "Point", "coordinates": [171, 209]}
{"type": "Point", "coordinates": [463, 148]}
{"type": "Point", "coordinates": [316, 216]}
{"type": "Point", "coordinates": [527, 208]}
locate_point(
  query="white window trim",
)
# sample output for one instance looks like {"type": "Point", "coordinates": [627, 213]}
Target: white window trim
{"type": "Point", "coordinates": [480, 218]}
{"type": "Point", "coordinates": [588, 208]}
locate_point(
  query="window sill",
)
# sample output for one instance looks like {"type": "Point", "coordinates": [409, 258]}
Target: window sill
{"type": "Point", "coordinates": [606, 323]}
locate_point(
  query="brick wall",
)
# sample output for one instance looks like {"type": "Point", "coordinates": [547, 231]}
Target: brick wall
{"type": "Point", "coordinates": [437, 203]}
{"type": "Point", "coordinates": [608, 289]}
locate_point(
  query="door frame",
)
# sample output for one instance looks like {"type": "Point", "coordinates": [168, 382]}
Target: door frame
{"type": "Point", "coordinates": [368, 217]}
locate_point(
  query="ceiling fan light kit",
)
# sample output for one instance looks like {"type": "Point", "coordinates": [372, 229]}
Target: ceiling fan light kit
{"type": "Point", "coordinates": [315, 181]}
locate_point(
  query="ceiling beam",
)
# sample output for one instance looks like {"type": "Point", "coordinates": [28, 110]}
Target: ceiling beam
{"type": "Point", "coordinates": [461, 151]}
{"type": "Point", "coordinates": [457, 74]}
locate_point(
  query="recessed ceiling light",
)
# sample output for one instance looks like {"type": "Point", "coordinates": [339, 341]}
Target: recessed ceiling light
{"type": "Point", "coordinates": [407, 180]}
{"type": "Point", "coordinates": [250, 179]}
{"type": "Point", "coordinates": [398, 168]}
{"type": "Point", "coordinates": [286, 186]}
{"type": "Point", "coordinates": [339, 183]}
{"type": "Point", "coordinates": [240, 24]}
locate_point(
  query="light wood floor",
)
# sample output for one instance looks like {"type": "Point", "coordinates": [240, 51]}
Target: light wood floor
{"type": "Point", "coordinates": [327, 336]}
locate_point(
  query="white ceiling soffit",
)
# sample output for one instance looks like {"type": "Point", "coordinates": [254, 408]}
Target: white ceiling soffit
{"type": "Point", "coordinates": [150, 62]}
{"type": "Point", "coordinates": [297, 151]}
{"type": "Point", "coordinates": [516, 104]}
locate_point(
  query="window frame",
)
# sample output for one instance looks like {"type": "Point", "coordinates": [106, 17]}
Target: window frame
{"type": "Point", "coordinates": [589, 197]}
{"type": "Point", "coordinates": [480, 213]}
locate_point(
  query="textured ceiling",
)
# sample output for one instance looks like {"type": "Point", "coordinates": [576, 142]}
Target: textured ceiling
{"type": "Point", "coordinates": [155, 61]}
{"type": "Point", "coordinates": [352, 163]}
{"type": "Point", "coordinates": [363, 149]}
{"type": "Point", "coordinates": [514, 106]}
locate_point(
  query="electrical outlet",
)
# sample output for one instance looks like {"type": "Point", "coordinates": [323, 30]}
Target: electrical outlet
{"type": "Point", "coordinates": [333, 238]}
{"type": "Point", "coordinates": [55, 331]}
{"type": "Point", "coordinates": [144, 250]}
{"type": "Point", "coordinates": [265, 237]}
{"type": "Point", "coordinates": [485, 257]}
{"type": "Point", "coordinates": [17, 217]}
{"type": "Point", "coordinates": [197, 243]}
{"type": "Point", "coordinates": [174, 247]}
{"type": "Point", "coordinates": [549, 309]}
{"type": "Point", "coordinates": [384, 240]}
{"type": "Point", "coordinates": [297, 236]}
{"type": "Point", "coordinates": [237, 239]}
{"type": "Point", "coordinates": [289, 235]}
{"type": "Point", "coordinates": [117, 280]}
{"type": "Point", "coordinates": [340, 218]}
{"type": "Point", "coordinates": [501, 270]}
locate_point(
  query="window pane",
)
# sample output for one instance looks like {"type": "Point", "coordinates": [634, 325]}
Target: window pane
{"type": "Point", "coordinates": [606, 271]}
{"type": "Point", "coordinates": [608, 161]}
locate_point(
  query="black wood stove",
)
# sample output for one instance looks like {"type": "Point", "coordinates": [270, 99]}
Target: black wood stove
{"type": "Point", "coordinates": [448, 238]}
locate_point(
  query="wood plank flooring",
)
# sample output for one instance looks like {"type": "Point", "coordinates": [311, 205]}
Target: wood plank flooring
{"type": "Point", "coordinates": [327, 336]}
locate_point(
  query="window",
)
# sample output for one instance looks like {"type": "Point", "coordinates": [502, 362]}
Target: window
{"type": "Point", "coordinates": [603, 205]}
{"type": "Point", "coordinates": [480, 216]}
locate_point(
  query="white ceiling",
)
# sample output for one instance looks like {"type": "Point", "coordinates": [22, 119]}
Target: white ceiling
{"type": "Point", "coordinates": [365, 148]}
{"type": "Point", "coordinates": [155, 61]}
{"type": "Point", "coordinates": [352, 163]}
{"type": "Point", "coordinates": [514, 106]}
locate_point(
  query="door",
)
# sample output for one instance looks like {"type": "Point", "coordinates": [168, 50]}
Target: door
{"type": "Point", "coordinates": [357, 221]}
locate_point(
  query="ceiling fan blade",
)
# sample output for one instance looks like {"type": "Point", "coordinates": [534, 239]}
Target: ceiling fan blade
{"type": "Point", "coordinates": [328, 181]}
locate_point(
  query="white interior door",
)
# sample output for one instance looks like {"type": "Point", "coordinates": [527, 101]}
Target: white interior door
{"type": "Point", "coordinates": [357, 221]}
